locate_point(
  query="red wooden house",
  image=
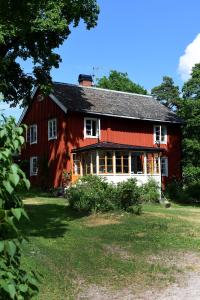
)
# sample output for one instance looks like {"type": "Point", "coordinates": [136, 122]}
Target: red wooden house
{"type": "Point", "coordinates": [80, 129]}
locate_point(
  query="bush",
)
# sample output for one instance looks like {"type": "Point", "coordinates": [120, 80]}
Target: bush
{"type": "Point", "coordinates": [184, 192]}
{"type": "Point", "coordinates": [91, 194]}
{"type": "Point", "coordinates": [150, 191]}
{"type": "Point", "coordinates": [135, 209]}
{"type": "Point", "coordinates": [128, 193]}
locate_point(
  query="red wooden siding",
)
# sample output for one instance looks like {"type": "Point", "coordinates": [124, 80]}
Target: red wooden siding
{"type": "Point", "coordinates": [71, 135]}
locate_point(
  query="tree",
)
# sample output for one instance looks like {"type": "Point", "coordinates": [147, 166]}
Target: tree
{"type": "Point", "coordinates": [167, 93]}
{"type": "Point", "coordinates": [33, 29]}
{"type": "Point", "coordinates": [15, 283]}
{"type": "Point", "coordinates": [191, 88]}
{"type": "Point", "coordinates": [120, 82]}
{"type": "Point", "coordinates": [190, 112]}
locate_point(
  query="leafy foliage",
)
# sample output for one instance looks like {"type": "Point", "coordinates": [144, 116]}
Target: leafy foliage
{"type": "Point", "coordinates": [191, 88]}
{"type": "Point", "coordinates": [32, 30]}
{"type": "Point", "coordinates": [167, 93]}
{"type": "Point", "coordinates": [128, 193]}
{"type": "Point", "coordinates": [15, 283]}
{"type": "Point", "coordinates": [92, 194]}
{"type": "Point", "coordinates": [150, 191]}
{"type": "Point", "coordinates": [120, 82]}
{"type": "Point", "coordinates": [190, 112]}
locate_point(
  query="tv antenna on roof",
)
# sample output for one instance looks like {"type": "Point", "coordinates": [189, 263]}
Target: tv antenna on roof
{"type": "Point", "coordinates": [94, 73]}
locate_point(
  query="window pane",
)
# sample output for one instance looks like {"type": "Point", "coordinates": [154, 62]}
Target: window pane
{"type": "Point", "coordinates": [76, 164]}
{"type": "Point", "coordinates": [86, 160]}
{"type": "Point", "coordinates": [94, 128]}
{"type": "Point", "coordinates": [163, 132]}
{"type": "Point", "coordinates": [137, 163]}
{"type": "Point", "coordinates": [156, 165]}
{"type": "Point", "coordinates": [88, 127]}
{"type": "Point", "coordinates": [94, 160]}
{"type": "Point", "coordinates": [157, 131]}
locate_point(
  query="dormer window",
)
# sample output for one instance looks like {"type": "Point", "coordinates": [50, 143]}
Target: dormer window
{"type": "Point", "coordinates": [160, 134]}
{"type": "Point", "coordinates": [33, 134]}
{"type": "Point", "coordinates": [52, 129]}
{"type": "Point", "coordinates": [91, 127]}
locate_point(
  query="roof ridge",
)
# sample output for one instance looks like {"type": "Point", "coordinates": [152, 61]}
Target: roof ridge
{"type": "Point", "coordinates": [101, 89]}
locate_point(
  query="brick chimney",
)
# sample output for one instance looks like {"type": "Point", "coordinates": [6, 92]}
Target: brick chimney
{"type": "Point", "coordinates": [85, 80]}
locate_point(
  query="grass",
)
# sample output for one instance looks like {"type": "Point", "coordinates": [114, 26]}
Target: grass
{"type": "Point", "coordinates": [113, 250]}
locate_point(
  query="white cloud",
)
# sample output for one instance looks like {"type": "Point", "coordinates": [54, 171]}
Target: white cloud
{"type": "Point", "coordinates": [189, 58]}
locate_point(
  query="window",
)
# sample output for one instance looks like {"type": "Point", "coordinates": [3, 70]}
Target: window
{"type": "Point", "coordinates": [160, 134]}
{"type": "Point", "coordinates": [137, 163]}
{"type": "Point", "coordinates": [33, 166]}
{"type": "Point", "coordinates": [105, 162]}
{"type": "Point", "coordinates": [86, 163]}
{"type": "Point", "coordinates": [91, 127]}
{"type": "Point", "coordinates": [122, 162]}
{"type": "Point", "coordinates": [52, 129]}
{"type": "Point", "coordinates": [32, 134]}
{"type": "Point", "coordinates": [164, 166]}
{"type": "Point", "coordinates": [76, 164]}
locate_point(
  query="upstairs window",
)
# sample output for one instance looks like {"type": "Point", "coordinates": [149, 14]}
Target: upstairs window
{"type": "Point", "coordinates": [160, 134]}
{"type": "Point", "coordinates": [32, 132]}
{"type": "Point", "coordinates": [91, 127]}
{"type": "Point", "coordinates": [52, 129]}
{"type": "Point", "coordinates": [33, 166]}
{"type": "Point", "coordinates": [164, 166]}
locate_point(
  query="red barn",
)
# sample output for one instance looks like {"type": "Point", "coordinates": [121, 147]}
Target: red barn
{"type": "Point", "coordinates": [80, 129]}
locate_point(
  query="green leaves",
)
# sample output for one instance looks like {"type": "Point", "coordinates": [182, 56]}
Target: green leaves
{"type": "Point", "coordinates": [45, 24]}
{"type": "Point", "coordinates": [15, 283]}
{"type": "Point", "coordinates": [167, 93]}
{"type": "Point", "coordinates": [119, 81]}
{"type": "Point", "coordinates": [7, 186]}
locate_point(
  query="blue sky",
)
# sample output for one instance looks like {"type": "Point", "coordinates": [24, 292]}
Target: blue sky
{"type": "Point", "coordinates": [144, 38]}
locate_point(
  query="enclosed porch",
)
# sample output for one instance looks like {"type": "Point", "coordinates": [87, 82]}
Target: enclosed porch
{"type": "Point", "coordinates": [117, 162]}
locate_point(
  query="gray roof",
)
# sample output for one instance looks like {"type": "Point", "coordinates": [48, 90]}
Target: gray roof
{"type": "Point", "coordinates": [112, 103]}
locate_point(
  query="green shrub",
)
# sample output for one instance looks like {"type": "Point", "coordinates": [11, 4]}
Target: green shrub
{"type": "Point", "coordinates": [193, 191]}
{"type": "Point", "coordinates": [174, 189]}
{"type": "Point", "coordinates": [91, 194]}
{"type": "Point", "coordinates": [128, 193]}
{"type": "Point", "coordinates": [150, 191]}
{"type": "Point", "coordinates": [135, 209]}
{"type": "Point", "coordinates": [15, 282]}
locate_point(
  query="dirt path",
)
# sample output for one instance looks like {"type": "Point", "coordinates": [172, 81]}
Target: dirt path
{"type": "Point", "coordinates": [186, 290]}
{"type": "Point", "coordinates": [187, 286]}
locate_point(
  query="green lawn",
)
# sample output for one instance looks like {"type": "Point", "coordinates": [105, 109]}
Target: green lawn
{"type": "Point", "coordinates": [73, 252]}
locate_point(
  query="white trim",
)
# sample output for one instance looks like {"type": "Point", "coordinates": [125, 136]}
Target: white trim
{"type": "Point", "coordinates": [145, 163]}
{"type": "Point", "coordinates": [30, 135]}
{"type": "Point", "coordinates": [49, 122]}
{"type": "Point", "coordinates": [22, 115]}
{"type": "Point", "coordinates": [165, 135]}
{"type": "Point", "coordinates": [58, 103]}
{"type": "Point", "coordinates": [31, 166]}
{"type": "Point", "coordinates": [32, 96]}
{"type": "Point", "coordinates": [34, 91]}
{"type": "Point", "coordinates": [26, 107]}
{"type": "Point", "coordinates": [98, 128]}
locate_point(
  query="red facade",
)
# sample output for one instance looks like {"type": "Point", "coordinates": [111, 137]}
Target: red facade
{"type": "Point", "coordinates": [55, 154]}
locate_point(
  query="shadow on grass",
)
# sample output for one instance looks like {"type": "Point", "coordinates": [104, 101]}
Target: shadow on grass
{"type": "Point", "coordinates": [48, 220]}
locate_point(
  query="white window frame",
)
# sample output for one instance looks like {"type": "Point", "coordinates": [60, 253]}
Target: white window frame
{"type": "Point", "coordinates": [164, 127]}
{"type": "Point", "coordinates": [30, 134]}
{"type": "Point", "coordinates": [50, 122]}
{"type": "Point", "coordinates": [165, 160]}
{"type": "Point", "coordinates": [32, 172]}
{"type": "Point", "coordinates": [97, 128]}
